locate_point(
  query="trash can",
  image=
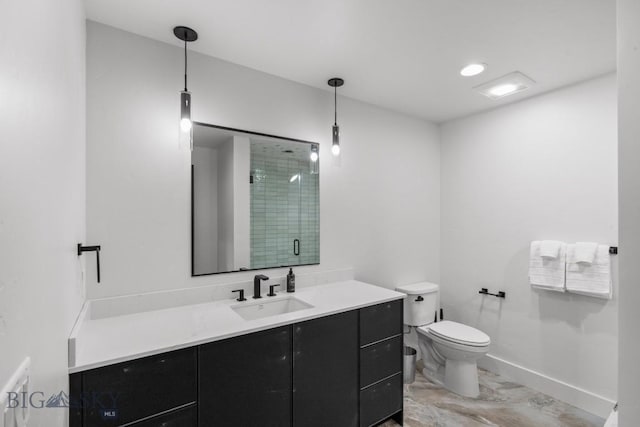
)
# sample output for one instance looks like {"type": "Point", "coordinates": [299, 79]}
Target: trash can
{"type": "Point", "coordinates": [409, 368]}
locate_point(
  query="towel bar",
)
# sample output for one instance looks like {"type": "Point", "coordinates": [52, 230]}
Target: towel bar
{"type": "Point", "coordinates": [500, 294]}
{"type": "Point", "coordinates": [96, 249]}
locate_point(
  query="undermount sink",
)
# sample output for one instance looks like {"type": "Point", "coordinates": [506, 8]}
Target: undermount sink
{"type": "Point", "coordinates": [266, 308]}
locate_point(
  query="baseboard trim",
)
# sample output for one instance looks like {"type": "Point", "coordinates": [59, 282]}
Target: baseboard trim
{"type": "Point", "coordinates": [576, 396]}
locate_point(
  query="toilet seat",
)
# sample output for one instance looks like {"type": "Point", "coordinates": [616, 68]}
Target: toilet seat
{"type": "Point", "coordinates": [456, 333]}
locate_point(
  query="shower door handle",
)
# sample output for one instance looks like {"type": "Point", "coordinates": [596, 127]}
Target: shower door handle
{"type": "Point", "coordinates": [296, 247]}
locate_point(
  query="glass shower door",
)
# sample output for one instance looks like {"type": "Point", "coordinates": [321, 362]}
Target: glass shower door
{"type": "Point", "coordinates": [283, 216]}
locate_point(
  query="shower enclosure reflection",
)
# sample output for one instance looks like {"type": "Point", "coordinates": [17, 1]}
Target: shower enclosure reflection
{"type": "Point", "coordinates": [255, 201]}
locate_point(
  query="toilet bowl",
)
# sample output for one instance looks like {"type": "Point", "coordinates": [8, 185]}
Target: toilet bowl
{"type": "Point", "coordinates": [450, 350]}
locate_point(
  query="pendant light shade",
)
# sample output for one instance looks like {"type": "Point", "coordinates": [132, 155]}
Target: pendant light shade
{"type": "Point", "coordinates": [185, 111]}
{"type": "Point", "coordinates": [335, 146]}
{"type": "Point", "coordinates": [314, 156]}
{"type": "Point", "coordinates": [335, 83]}
{"type": "Point", "coordinates": [314, 153]}
{"type": "Point", "coordinates": [185, 34]}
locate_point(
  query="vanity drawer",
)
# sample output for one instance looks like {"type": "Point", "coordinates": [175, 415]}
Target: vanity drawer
{"type": "Point", "coordinates": [380, 321]}
{"type": "Point", "coordinates": [380, 401]}
{"type": "Point", "coordinates": [380, 360]}
{"type": "Point", "coordinates": [130, 391]}
{"type": "Point", "coordinates": [184, 417]}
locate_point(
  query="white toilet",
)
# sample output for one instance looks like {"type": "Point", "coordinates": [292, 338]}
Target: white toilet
{"type": "Point", "coordinates": [449, 349]}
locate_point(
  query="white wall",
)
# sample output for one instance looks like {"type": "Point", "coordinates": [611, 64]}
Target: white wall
{"type": "Point", "coordinates": [138, 181]}
{"type": "Point", "coordinates": [226, 218]}
{"type": "Point", "coordinates": [205, 161]}
{"type": "Point", "coordinates": [42, 189]}
{"type": "Point", "coordinates": [241, 203]}
{"type": "Point", "coordinates": [629, 153]}
{"type": "Point", "coordinates": [544, 168]}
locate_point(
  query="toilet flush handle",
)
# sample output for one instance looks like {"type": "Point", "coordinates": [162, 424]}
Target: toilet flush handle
{"type": "Point", "coordinates": [419, 299]}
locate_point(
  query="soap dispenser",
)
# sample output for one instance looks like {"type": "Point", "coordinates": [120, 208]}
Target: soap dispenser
{"type": "Point", "coordinates": [291, 281]}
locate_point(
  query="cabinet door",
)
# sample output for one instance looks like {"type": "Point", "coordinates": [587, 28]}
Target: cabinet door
{"type": "Point", "coordinates": [130, 391]}
{"type": "Point", "coordinates": [380, 360]}
{"type": "Point", "coordinates": [246, 381]}
{"type": "Point", "coordinates": [185, 417]}
{"type": "Point", "coordinates": [325, 371]}
{"type": "Point", "coordinates": [381, 401]}
{"type": "Point", "coordinates": [380, 322]}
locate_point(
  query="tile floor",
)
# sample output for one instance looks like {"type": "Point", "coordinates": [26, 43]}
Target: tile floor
{"type": "Point", "coordinates": [501, 403]}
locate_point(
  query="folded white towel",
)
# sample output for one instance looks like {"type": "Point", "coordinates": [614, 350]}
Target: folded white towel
{"type": "Point", "coordinates": [550, 248]}
{"type": "Point", "coordinates": [586, 252]}
{"type": "Point", "coordinates": [547, 273]}
{"type": "Point", "coordinates": [590, 279]}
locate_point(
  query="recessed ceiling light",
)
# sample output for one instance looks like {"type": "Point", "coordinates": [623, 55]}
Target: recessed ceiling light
{"type": "Point", "coordinates": [507, 85]}
{"type": "Point", "coordinates": [473, 70]}
{"type": "Point", "coordinates": [504, 89]}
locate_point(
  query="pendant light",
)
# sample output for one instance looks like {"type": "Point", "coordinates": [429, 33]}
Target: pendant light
{"type": "Point", "coordinates": [314, 156]}
{"type": "Point", "coordinates": [185, 34]}
{"type": "Point", "coordinates": [335, 83]}
{"type": "Point", "coordinates": [314, 153]}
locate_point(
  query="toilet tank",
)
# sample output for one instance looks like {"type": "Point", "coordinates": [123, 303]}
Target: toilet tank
{"type": "Point", "coordinates": [420, 304]}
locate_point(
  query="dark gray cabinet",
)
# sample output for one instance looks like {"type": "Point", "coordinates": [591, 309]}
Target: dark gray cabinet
{"type": "Point", "coordinates": [133, 391]}
{"type": "Point", "coordinates": [380, 360]}
{"type": "Point", "coordinates": [184, 417]}
{"type": "Point", "coordinates": [246, 381]}
{"type": "Point", "coordinates": [325, 371]}
{"type": "Point", "coordinates": [343, 370]}
{"type": "Point", "coordinates": [380, 321]}
{"type": "Point", "coordinates": [381, 401]}
{"type": "Point", "coordinates": [381, 341]}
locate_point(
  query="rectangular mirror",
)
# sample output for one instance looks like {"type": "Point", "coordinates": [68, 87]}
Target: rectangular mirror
{"type": "Point", "coordinates": [255, 201]}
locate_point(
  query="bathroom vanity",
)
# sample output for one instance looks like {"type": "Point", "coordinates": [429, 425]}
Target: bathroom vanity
{"type": "Point", "coordinates": [336, 359]}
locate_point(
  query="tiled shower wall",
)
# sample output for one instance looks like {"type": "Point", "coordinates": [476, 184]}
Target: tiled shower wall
{"type": "Point", "coordinates": [282, 211]}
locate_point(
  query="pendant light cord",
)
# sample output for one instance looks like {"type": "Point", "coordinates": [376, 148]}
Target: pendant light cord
{"type": "Point", "coordinates": [185, 62]}
{"type": "Point", "coordinates": [335, 106]}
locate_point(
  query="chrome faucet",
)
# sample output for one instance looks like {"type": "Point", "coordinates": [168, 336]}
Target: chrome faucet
{"type": "Point", "coordinates": [256, 285]}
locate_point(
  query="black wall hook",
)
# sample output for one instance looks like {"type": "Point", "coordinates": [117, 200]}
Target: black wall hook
{"type": "Point", "coordinates": [500, 294]}
{"type": "Point", "coordinates": [96, 249]}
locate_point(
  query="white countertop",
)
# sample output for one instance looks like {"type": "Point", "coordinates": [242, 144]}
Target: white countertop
{"type": "Point", "coordinates": [109, 340]}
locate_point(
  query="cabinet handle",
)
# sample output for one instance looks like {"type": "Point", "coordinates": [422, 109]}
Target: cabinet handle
{"type": "Point", "coordinates": [296, 247]}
